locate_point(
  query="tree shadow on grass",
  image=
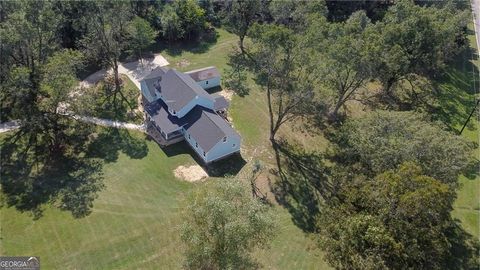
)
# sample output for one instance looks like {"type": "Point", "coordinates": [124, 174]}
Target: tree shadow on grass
{"type": "Point", "coordinates": [111, 141]}
{"type": "Point", "coordinates": [456, 91]}
{"type": "Point", "coordinates": [35, 172]}
{"type": "Point", "coordinates": [303, 183]}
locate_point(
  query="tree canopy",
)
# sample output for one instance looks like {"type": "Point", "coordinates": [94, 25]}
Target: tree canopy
{"type": "Point", "coordinates": [382, 140]}
{"type": "Point", "coordinates": [222, 225]}
{"type": "Point", "coordinates": [400, 219]}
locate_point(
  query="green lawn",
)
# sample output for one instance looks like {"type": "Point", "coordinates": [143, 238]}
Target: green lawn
{"type": "Point", "coordinates": [134, 223]}
{"type": "Point", "coordinates": [467, 205]}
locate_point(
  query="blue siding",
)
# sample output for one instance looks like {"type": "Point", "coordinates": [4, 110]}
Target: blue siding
{"type": "Point", "coordinates": [192, 142]}
{"type": "Point", "coordinates": [145, 92]}
{"type": "Point", "coordinates": [222, 149]}
{"type": "Point", "coordinates": [213, 82]}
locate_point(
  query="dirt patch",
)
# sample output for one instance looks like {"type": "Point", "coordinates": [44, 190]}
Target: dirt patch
{"type": "Point", "coordinates": [183, 63]}
{"type": "Point", "coordinates": [192, 173]}
{"type": "Point", "coordinates": [227, 94]}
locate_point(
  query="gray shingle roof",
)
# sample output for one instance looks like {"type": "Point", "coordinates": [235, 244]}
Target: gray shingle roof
{"type": "Point", "coordinates": [207, 128]}
{"type": "Point", "coordinates": [203, 73]}
{"type": "Point", "coordinates": [152, 79]}
{"type": "Point", "coordinates": [220, 102]}
{"type": "Point", "coordinates": [179, 89]}
{"type": "Point", "coordinates": [162, 118]}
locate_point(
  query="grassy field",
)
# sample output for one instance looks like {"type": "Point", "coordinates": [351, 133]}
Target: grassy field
{"type": "Point", "coordinates": [134, 223]}
{"type": "Point", "coordinates": [464, 87]}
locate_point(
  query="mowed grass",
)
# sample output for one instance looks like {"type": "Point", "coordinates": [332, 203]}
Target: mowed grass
{"type": "Point", "coordinates": [135, 219]}
{"type": "Point", "coordinates": [461, 88]}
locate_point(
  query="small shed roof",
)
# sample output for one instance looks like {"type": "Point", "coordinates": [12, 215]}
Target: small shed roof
{"type": "Point", "coordinates": [203, 73]}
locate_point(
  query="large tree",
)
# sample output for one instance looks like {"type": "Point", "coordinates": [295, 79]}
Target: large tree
{"type": "Point", "coordinates": [223, 225]}
{"type": "Point", "coordinates": [398, 220]}
{"type": "Point", "coordinates": [276, 61]}
{"type": "Point", "coordinates": [141, 35]}
{"type": "Point", "coordinates": [107, 38]}
{"type": "Point", "coordinates": [412, 39]}
{"type": "Point", "coordinates": [341, 58]}
{"type": "Point", "coordinates": [239, 16]}
{"type": "Point", "coordinates": [382, 140]}
{"type": "Point", "coordinates": [44, 160]}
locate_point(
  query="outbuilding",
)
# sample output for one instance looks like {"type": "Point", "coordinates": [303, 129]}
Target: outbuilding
{"type": "Point", "coordinates": [208, 77]}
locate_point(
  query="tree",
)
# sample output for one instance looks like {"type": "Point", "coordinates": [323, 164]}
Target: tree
{"type": "Point", "coordinates": [342, 64]}
{"type": "Point", "coordinates": [141, 35]}
{"type": "Point", "coordinates": [382, 140]}
{"type": "Point", "coordinates": [414, 40]}
{"type": "Point", "coordinates": [172, 28]}
{"type": "Point", "coordinates": [295, 14]}
{"type": "Point", "coordinates": [223, 224]}
{"type": "Point", "coordinates": [192, 17]}
{"type": "Point", "coordinates": [29, 37]}
{"type": "Point", "coordinates": [183, 19]}
{"type": "Point", "coordinates": [44, 160]}
{"type": "Point", "coordinates": [239, 16]}
{"type": "Point", "coordinates": [107, 38]}
{"type": "Point", "coordinates": [277, 62]}
{"type": "Point", "coordinates": [399, 220]}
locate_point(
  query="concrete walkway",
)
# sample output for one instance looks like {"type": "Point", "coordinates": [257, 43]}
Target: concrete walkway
{"type": "Point", "coordinates": [8, 126]}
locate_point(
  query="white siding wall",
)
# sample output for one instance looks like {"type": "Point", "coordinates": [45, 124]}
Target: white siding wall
{"type": "Point", "coordinates": [212, 82]}
{"type": "Point", "coordinates": [222, 149]}
{"type": "Point", "coordinates": [205, 102]}
{"type": "Point", "coordinates": [192, 142]}
{"type": "Point", "coordinates": [145, 92]}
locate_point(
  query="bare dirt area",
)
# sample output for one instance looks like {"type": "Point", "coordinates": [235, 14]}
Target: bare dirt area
{"type": "Point", "coordinates": [227, 94]}
{"type": "Point", "coordinates": [192, 173]}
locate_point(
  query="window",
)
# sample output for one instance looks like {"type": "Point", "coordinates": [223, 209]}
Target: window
{"type": "Point", "coordinates": [224, 139]}
{"type": "Point", "coordinates": [196, 145]}
{"type": "Point", "coordinates": [174, 112]}
{"type": "Point", "coordinates": [206, 82]}
{"type": "Point", "coordinates": [204, 153]}
{"type": "Point", "coordinates": [189, 136]}
{"type": "Point", "coordinates": [233, 145]}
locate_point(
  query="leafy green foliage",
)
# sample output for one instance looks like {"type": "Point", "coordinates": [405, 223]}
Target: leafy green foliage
{"type": "Point", "coordinates": [183, 19]}
{"type": "Point", "coordinates": [223, 224]}
{"type": "Point", "coordinates": [44, 160]}
{"type": "Point", "coordinates": [414, 39]}
{"type": "Point", "coordinates": [239, 16]}
{"type": "Point", "coordinates": [141, 35]}
{"type": "Point", "coordinates": [401, 219]}
{"type": "Point", "coordinates": [341, 59]}
{"type": "Point", "coordinates": [382, 140]}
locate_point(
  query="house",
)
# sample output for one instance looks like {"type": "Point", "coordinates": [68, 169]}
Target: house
{"type": "Point", "coordinates": [178, 108]}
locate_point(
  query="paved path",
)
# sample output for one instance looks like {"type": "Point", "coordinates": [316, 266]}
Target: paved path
{"type": "Point", "coordinates": [8, 126]}
{"type": "Point", "coordinates": [476, 21]}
